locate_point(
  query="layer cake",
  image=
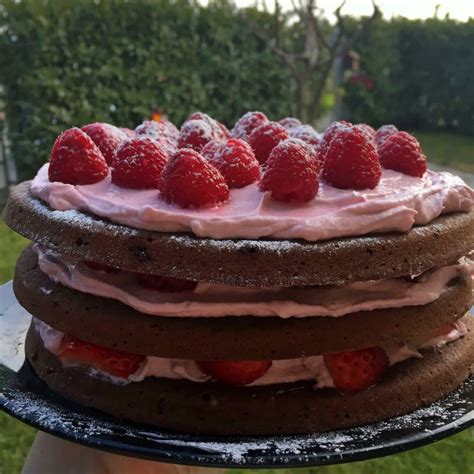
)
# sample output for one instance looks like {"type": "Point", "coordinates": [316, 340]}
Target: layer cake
{"type": "Point", "coordinates": [247, 282]}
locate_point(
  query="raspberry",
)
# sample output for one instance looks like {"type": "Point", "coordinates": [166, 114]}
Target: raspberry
{"type": "Point", "coordinates": [292, 173]}
{"type": "Point", "coordinates": [312, 151]}
{"type": "Point", "coordinates": [367, 130]}
{"type": "Point", "coordinates": [290, 122]}
{"type": "Point", "coordinates": [158, 130]}
{"type": "Point", "coordinates": [383, 133]}
{"type": "Point", "coordinates": [266, 137]}
{"type": "Point", "coordinates": [247, 123]}
{"type": "Point", "coordinates": [107, 138]}
{"type": "Point", "coordinates": [114, 362]}
{"type": "Point", "coordinates": [210, 149]}
{"type": "Point", "coordinates": [225, 131]}
{"type": "Point", "coordinates": [200, 116]}
{"type": "Point", "coordinates": [219, 130]}
{"type": "Point", "coordinates": [235, 372]}
{"type": "Point", "coordinates": [128, 131]}
{"type": "Point", "coordinates": [139, 163]}
{"type": "Point", "coordinates": [188, 180]}
{"type": "Point", "coordinates": [166, 284]}
{"type": "Point", "coordinates": [195, 134]}
{"type": "Point", "coordinates": [306, 133]}
{"type": "Point", "coordinates": [354, 371]}
{"type": "Point", "coordinates": [402, 152]}
{"type": "Point", "coordinates": [162, 131]}
{"type": "Point", "coordinates": [329, 134]}
{"type": "Point", "coordinates": [235, 160]}
{"type": "Point", "coordinates": [351, 161]}
{"type": "Point", "coordinates": [75, 159]}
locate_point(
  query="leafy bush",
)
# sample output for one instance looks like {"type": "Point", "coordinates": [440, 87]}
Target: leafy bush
{"type": "Point", "coordinates": [69, 63]}
{"type": "Point", "coordinates": [423, 74]}
{"type": "Point", "coordinates": [66, 63]}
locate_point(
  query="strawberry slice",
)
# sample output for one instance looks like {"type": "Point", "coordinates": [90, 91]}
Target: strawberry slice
{"type": "Point", "coordinates": [235, 372]}
{"type": "Point", "coordinates": [354, 371]}
{"type": "Point", "coordinates": [166, 284]}
{"type": "Point", "coordinates": [114, 362]}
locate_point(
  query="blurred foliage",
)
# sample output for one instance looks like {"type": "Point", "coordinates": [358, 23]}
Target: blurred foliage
{"type": "Point", "coordinates": [69, 63]}
{"type": "Point", "coordinates": [66, 63]}
{"type": "Point", "coordinates": [423, 75]}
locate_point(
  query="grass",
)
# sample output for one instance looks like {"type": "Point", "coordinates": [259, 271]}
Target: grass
{"type": "Point", "coordinates": [454, 455]}
{"type": "Point", "coordinates": [455, 151]}
{"type": "Point", "coordinates": [15, 437]}
{"type": "Point", "coordinates": [11, 244]}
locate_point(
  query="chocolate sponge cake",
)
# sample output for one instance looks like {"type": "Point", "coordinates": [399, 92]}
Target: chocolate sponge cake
{"type": "Point", "coordinates": [200, 283]}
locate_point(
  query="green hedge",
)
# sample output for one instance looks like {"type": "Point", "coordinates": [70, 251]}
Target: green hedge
{"type": "Point", "coordinates": [423, 72]}
{"type": "Point", "coordinates": [68, 63]}
{"type": "Point", "coordinates": [65, 63]}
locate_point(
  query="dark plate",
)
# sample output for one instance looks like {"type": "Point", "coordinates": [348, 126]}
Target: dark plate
{"type": "Point", "coordinates": [25, 397]}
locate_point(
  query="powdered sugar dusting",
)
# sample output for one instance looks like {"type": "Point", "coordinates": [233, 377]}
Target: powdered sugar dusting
{"type": "Point", "coordinates": [422, 426]}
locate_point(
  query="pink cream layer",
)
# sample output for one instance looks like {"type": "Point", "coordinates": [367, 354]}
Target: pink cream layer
{"type": "Point", "coordinates": [212, 300]}
{"type": "Point", "coordinates": [396, 204]}
{"type": "Point", "coordinates": [281, 371]}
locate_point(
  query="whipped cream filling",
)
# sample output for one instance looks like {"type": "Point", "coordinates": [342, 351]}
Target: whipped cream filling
{"type": "Point", "coordinates": [214, 300]}
{"type": "Point", "coordinates": [281, 371]}
{"type": "Point", "coordinates": [396, 204]}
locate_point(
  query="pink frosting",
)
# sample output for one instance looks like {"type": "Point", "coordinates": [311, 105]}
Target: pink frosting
{"type": "Point", "coordinates": [212, 300]}
{"type": "Point", "coordinates": [281, 371]}
{"type": "Point", "coordinates": [396, 204]}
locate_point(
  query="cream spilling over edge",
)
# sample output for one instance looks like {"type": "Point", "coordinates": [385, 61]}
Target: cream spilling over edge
{"type": "Point", "coordinates": [281, 371]}
{"type": "Point", "coordinates": [213, 300]}
{"type": "Point", "coordinates": [396, 204]}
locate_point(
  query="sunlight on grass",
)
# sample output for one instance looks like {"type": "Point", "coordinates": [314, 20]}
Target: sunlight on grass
{"type": "Point", "coordinates": [11, 244]}
{"type": "Point", "coordinates": [456, 151]}
{"type": "Point", "coordinates": [15, 437]}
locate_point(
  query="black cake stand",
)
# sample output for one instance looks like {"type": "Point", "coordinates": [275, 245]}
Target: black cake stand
{"type": "Point", "coordinates": [25, 397]}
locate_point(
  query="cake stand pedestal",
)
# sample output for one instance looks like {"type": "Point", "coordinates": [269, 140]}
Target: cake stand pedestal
{"type": "Point", "coordinates": [28, 399]}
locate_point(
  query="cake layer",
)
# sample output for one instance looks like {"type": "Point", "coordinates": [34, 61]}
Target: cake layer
{"type": "Point", "coordinates": [280, 371]}
{"type": "Point", "coordinates": [110, 323]}
{"type": "Point", "coordinates": [291, 408]}
{"type": "Point", "coordinates": [242, 262]}
{"type": "Point", "coordinates": [397, 203]}
{"type": "Point", "coordinates": [213, 300]}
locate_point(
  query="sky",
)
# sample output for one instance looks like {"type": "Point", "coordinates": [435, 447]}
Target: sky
{"type": "Point", "coordinates": [457, 9]}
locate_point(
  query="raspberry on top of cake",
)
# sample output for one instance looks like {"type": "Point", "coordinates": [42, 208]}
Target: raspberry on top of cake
{"type": "Point", "coordinates": [260, 180]}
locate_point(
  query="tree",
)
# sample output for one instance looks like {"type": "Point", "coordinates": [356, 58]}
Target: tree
{"type": "Point", "coordinates": [309, 47]}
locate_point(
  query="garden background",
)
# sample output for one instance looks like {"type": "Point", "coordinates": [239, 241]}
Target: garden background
{"type": "Point", "coordinates": [66, 63]}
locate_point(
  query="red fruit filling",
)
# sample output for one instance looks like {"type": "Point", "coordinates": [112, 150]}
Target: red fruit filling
{"type": "Point", "coordinates": [354, 371]}
{"type": "Point", "coordinates": [114, 362]}
{"type": "Point", "coordinates": [235, 372]}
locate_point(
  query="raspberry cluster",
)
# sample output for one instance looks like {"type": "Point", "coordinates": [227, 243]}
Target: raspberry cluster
{"type": "Point", "coordinates": [196, 166]}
